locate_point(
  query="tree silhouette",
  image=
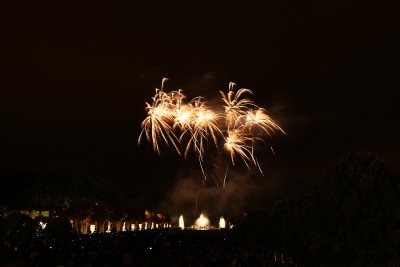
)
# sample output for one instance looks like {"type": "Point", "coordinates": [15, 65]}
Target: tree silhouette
{"type": "Point", "coordinates": [350, 216]}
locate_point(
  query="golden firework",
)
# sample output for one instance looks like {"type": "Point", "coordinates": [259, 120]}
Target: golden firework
{"type": "Point", "coordinates": [170, 115]}
{"type": "Point", "coordinates": [235, 106]}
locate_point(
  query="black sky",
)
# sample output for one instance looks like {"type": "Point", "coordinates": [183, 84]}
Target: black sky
{"type": "Point", "coordinates": [75, 76]}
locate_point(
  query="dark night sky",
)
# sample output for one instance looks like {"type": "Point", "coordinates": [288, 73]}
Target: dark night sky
{"type": "Point", "coordinates": [75, 76]}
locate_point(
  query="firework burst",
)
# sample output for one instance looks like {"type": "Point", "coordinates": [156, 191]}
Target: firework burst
{"type": "Point", "coordinates": [259, 119]}
{"type": "Point", "coordinates": [170, 115]}
{"type": "Point", "coordinates": [239, 143]}
{"type": "Point", "coordinates": [235, 106]}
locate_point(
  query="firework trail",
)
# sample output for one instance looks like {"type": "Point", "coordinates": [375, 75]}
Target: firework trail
{"type": "Point", "coordinates": [157, 125]}
{"type": "Point", "coordinates": [204, 125]}
{"type": "Point", "coordinates": [235, 106]}
{"type": "Point", "coordinates": [192, 125]}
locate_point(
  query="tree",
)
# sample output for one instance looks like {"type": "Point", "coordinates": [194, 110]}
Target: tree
{"type": "Point", "coordinates": [58, 228]}
{"type": "Point", "coordinates": [349, 217]}
{"type": "Point", "coordinates": [19, 227]}
{"type": "Point", "coordinates": [361, 197]}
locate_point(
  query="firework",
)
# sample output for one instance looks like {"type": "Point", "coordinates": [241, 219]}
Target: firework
{"type": "Point", "coordinates": [235, 105]}
{"type": "Point", "coordinates": [239, 143]}
{"type": "Point", "coordinates": [222, 223]}
{"type": "Point", "coordinates": [259, 119]}
{"type": "Point", "coordinates": [192, 125]}
{"type": "Point", "coordinates": [157, 124]}
{"type": "Point", "coordinates": [204, 125]}
{"type": "Point", "coordinates": [181, 223]}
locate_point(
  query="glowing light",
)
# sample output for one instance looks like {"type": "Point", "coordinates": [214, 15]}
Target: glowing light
{"type": "Point", "coordinates": [181, 223]}
{"type": "Point", "coordinates": [202, 222]}
{"type": "Point", "coordinates": [92, 228]}
{"type": "Point", "coordinates": [157, 125]}
{"type": "Point", "coordinates": [133, 227]}
{"type": "Point", "coordinates": [222, 223]}
{"type": "Point", "coordinates": [239, 143]}
{"type": "Point", "coordinates": [42, 225]}
{"type": "Point", "coordinates": [108, 228]}
{"type": "Point", "coordinates": [192, 125]}
{"type": "Point", "coordinates": [235, 105]}
{"type": "Point", "coordinates": [124, 227]}
{"type": "Point", "coordinates": [140, 226]}
{"type": "Point", "coordinates": [258, 118]}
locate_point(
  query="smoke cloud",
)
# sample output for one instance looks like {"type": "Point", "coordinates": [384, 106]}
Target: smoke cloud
{"type": "Point", "coordinates": [190, 196]}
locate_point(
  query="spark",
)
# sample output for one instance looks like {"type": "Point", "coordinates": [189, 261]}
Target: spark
{"type": "Point", "coordinates": [204, 126]}
{"type": "Point", "coordinates": [260, 119]}
{"type": "Point", "coordinates": [235, 105]}
{"type": "Point", "coordinates": [239, 143]}
{"type": "Point", "coordinates": [192, 125]}
{"type": "Point", "coordinates": [157, 124]}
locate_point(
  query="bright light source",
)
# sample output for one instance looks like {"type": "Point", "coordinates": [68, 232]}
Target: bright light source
{"type": "Point", "coordinates": [221, 223]}
{"type": "Point", "coordinates": [42, 225]}
{"type": "Point", "coordinates": [92, 228]}
{"type": "Point", "coordinates": [202, 222]}
{"type": "Point", "coordinates": [181, 223]}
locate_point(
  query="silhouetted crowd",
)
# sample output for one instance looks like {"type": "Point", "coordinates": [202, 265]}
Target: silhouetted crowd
{"type": "Point", "coordinates": [140, 248]}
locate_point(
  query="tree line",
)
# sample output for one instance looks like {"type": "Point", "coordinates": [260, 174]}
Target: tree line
{"type": "Point", "coordinates": [349, 217]}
